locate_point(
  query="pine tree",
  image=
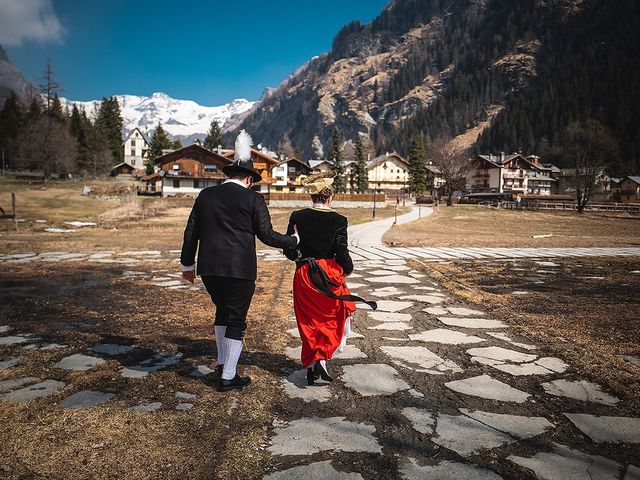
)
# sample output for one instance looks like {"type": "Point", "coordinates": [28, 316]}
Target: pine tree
{"type": "Point", "coordinates": [337, 161]}
{"type": "Point", "coordinates": [214, 138]}
{"type": "Point", "coordinates": [362, 173]}
{"type": "Point", "coordinates": [177, 144]}
{"type": "Point", "coordinates": [49, 87]}
{"type": "Point", "coordinates": [57, 111]}
{"type": "Point", "coordinates": [79, 126]}
{"type": "Point", "coordinates": [159, 141]}
{"type": "Point", "coordinates": [417, 168]}
{"type": "Point", "coordinates": [109, 125]}
{"type": "Point", "coordinates": [11, 120]}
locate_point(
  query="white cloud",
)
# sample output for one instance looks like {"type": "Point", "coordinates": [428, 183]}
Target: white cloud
{"type": "Point", "coordinates": [28, 20]}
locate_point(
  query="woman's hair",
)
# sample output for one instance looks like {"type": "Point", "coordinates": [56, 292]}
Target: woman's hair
{"type": "Point", "coordinates": [323, 196]}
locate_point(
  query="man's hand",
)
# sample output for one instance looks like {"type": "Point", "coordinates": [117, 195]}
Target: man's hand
{"type": "Point", "coordinates": [296, 234]}
{"type": "Point", "coordinates": [189, 275]}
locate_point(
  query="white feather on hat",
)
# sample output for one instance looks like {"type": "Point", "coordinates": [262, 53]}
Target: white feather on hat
{"type": "Point", "coordinates": [243, 147]}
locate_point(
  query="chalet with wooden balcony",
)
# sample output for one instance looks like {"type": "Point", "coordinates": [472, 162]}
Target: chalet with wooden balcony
{"type": "Point", "coordinates": [185, 171]}
{"type": "Point", "coordinates": [511, 174]}
{"type": "Point", "coordinates": [289, 175]}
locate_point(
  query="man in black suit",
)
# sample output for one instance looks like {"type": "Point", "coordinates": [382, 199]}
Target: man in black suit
{"type": "Point", "coordinates": [224, 222]}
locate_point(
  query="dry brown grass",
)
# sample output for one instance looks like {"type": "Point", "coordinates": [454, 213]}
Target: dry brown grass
{"type": "Point", "coordinates": [575, 314]}
{"type": "Point", "coordinates": [479, 226]}
{"type": "Point", "coordinates": [220, 438]}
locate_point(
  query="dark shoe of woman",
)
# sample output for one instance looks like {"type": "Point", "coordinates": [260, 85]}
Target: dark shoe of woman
{"type": "Point", "coordinates": [311, 376]}
{"type": "Point", "coordinates": [321, 372]}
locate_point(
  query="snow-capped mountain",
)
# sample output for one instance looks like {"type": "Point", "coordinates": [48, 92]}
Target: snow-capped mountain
{"type": "Point", "coordinates": [182, 119]}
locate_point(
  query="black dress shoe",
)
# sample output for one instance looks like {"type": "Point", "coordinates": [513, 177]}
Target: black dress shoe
{"type": "Point", "coordinates": [320, 372]}
{"type": "Point", "coordinates": [218, 372]}
{"type": "Point", "coordinates": [238, 382]}
{"type": "Point", "coordinates": [311, 376]}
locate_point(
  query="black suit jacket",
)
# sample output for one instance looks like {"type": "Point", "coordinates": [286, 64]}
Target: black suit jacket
{"type": "Point", "coordinates": [323, 234]}
{"type": "Point", "coordinates": [225, 221]}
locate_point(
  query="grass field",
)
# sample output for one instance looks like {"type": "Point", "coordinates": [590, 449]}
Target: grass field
{"type": "Point", "coordinates": [479, 226]}
{"type": "Point", "coordinates": [125, 223]}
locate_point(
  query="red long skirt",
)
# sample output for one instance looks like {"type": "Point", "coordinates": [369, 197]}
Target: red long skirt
{"type": "Point", "coordinates": [320, 319]}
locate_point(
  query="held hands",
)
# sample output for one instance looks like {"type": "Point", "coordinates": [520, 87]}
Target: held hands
{"type": "Point", "coordinates": [189, 275]}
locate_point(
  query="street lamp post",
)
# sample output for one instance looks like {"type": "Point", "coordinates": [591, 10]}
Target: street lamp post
{"type": "Point", "coordinates": [373, 215]}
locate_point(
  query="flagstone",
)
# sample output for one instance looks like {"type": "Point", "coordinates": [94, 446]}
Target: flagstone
{"type": "Point", "coordinates": [373, 379]}
{"type": "Point", "coordinates": [443, 335]}
{"type": "Point", "coordinates": [86, 399]}
{"type": "Point", "coordinates": [515, 425]}
{"type": "Point", "coordinates": [395, 339]}
{"type": "Point", "coordinates": [391, 279]}
{"type": "Point", "coordinates": [183, 407]}
{"type": "Point", "coordinates": [147, 407]}
{"type": "Point", "coordinates": [389, 316]}
{"type": "Point", "coordinates": [425, 287]}
{"type": "Point", "coordinates": [392, 305]}
{"type": "Point", "coordinates": [462, 311]}
{"type": "Point", "coordinates": [565, 463]}
{"type": "Point", "coordinates": [32, 392]}
{"type": "Point", "coordinates": [436, 310]}
{"type": "Point", "coordinates": [44, 346]}
{"type": "Point", "coordinates": [354, 286]}
{"type": "Point", "coordinates": [295, 386]}
{"type": "Point", "coordinates": [398, 326]}
{"type": "Point", "coordinates": [421, 420]}
{"type": "Point", "coordinates": [485, 386]}
{"type": "Point", "coordinates": [504, 337]}
{"type": "Point", "coordinates": [294, 332]}
{"type": "Point", "coordinates": [432, 298]}
{"type": "Point", "coordinates": [382, 272]}
{"type": "Point", "coordinates": [78, 361]}
{"type": "Point", "coordinates": [17, 339]}
{"type": "Point", "coordinates": [579, 390]}
{"type": "Point", "coordinates": [428, 361]}
{"type": "Point", "coordinates": [397, 268]}
{"type": "Point", "coordinates": [471, 322]}
{"type": "Point", "coordinates": [314, 471]}
{"type": "Point", "coordinates": [445, 470]}
{"type": "Point", "coordinates": [552, 363]}
{"type": "Point", "coordinates": [5, 328]}
{"type": "Point", "coordinates": [201, 371]}
{"type": "Point", "coordinates": [185, 395]}
{"type": "Point", "coordinates": [157, 362]}
{"type": "Point", "coordinates": [307, 436]}
{"type": "Point", "coordinates": [170, 283]}
{"type": "Point", "coordinates": [501, 354]}
{"type": "Point", "coordinates": [633, 473]}
{"type": "Point", "coordinates": [12, 384]}
{"type": "Point", "coordinates": [111, 348]}
{"type": "Point", "coordinates": [607, 429]}
{"type": "Point", "coordinates": [632, 359]}
{"type": "Point", "coordinates": [548, 264]}
{"type": "Point", "coordinates": [386, 291]}
{"type": "Point", "coordinates": [519, 369]}
{"type": "Point", "coordinates": [415, 393]}
{"type": "Point", "coordinates": [12, 362]}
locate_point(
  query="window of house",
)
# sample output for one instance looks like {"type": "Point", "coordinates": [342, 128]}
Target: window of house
{"type": "Point", "coordinates": [292, 189]}
{"type": "Point", "coordinates": [196, 184]}
{"type": "Point", "coordinates": [133, 143]}
{"type": "Point", "coordinates": [210, 168]}
{"type": "Point", "coordinates": [292, 169]}
{"type": "Point", "coordinates": [176, 183]}
{"type": "Point", "coordinates": [175, 167]}
{"type": "Point", "coordinates": [133, 152]}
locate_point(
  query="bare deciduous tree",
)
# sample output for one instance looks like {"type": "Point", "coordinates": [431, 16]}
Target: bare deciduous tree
{"type": "Point", "coordinates": [588, 147]}
{"type": "Point", "coordinates": [453, 163]}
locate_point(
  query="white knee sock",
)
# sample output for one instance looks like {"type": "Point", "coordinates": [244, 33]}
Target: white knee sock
{"type": "Point", "coordinates": [220, 331]}
{"type": "Point", "coordinates": [233, 349]}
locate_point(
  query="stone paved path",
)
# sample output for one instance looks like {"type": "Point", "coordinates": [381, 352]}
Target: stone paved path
{"type": "Point", "coordinates": [434, 389]}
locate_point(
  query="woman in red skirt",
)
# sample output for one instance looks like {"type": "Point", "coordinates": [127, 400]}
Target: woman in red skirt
{"type": "Point", "coordinates": [321, 300]}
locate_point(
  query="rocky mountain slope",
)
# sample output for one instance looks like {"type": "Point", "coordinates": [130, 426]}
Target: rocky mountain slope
{"type": "Point", "coordinates": [445, 67]}
{"type": "Point", "coordinates": [11, 79]}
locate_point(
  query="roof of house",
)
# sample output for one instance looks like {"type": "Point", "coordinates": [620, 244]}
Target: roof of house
{"type": "Point", "coordinates": [433, 169]}
{"type": "Point", "coordinates": [122, 164]}
{"type": "Point", "coordinates": [316, 163]}
{"type": "Point", "coordinates": [634, 179]}
{"type": "Point", "coordinates": [144, 137]}
{"type": "Point", "coordinates": [295, 160]}
{"type": "Point", "coordinates": [229, 154]}
{"type": "Point", "coordinates": [383, 158]}
{"type": "Point", "coordinates": [177, 154]}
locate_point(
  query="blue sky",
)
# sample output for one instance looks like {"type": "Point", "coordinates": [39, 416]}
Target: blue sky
{"type": "Point", "coordinates": [207, 51]}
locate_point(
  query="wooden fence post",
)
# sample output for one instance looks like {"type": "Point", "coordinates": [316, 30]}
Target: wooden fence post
{"type": "Point", "coordinates": [13, 208]}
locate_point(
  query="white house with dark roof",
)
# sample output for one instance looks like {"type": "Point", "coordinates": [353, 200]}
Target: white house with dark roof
{"type": "Point", "coordinates": [136, 149]}
{"type": "Point", "coordinates": [388, 172]}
